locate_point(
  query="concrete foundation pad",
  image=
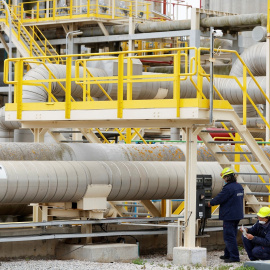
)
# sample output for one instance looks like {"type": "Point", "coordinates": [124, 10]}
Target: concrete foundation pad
{"type": "Point", "coordinates": [104, 253]}
{"type": "Point", "coordinates": [259, 265]}
{"type": "Point", "coordinates": [189, 256]}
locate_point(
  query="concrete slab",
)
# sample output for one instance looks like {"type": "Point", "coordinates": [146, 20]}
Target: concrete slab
{"type": "Point", "coordinates": [187, 256]}
{"type": "Point", "coordinates": [259, 265]}
{"type": "Point", "coordinates": [104, 253]}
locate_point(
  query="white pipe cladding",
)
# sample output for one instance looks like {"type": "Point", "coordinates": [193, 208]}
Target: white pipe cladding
{"type": "Point", "coordinates": [36, 182]}
{"type": "Point", "coordinates": [39, 94]}
{"type": "Point", "coordinates": [255, 59]}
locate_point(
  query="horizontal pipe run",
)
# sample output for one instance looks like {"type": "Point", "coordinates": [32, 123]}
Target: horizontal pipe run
{"type": "Point", "coordinates": [59, 181]}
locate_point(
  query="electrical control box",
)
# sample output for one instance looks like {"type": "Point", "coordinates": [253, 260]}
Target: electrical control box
{"type": "Point", "coordinates": [203, 196]}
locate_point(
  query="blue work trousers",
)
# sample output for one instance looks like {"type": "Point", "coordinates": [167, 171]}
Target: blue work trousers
{"type": "Point", "coordinates": [256, 252]}
{"type": "Point", "coordinates": [230, 228]}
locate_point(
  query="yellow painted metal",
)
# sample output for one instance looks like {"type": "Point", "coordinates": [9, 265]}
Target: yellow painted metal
{"type": "Point", "coordinates": [19, 89]}
{"type": "Point", "coordinates": [179, 209]}
{"type": "Point", "coordinates": [176, 85]}
{"type": "Point", "coordinates": [163, 208]}
{"type": "Point", "coordinates": [128, 135]}
{"type": "Point", "coordinates": [68, 87]}
{"type": "Point", "coordinates": [237, 149]}
{"type": "Point", "coordinates": [129, 75]}
{"type": "Point", "coordinates": [120, 92]}
{"type": "Point", "coordinates": [244, 95]}
{"type": "Point", "coordinates": [80, 10]}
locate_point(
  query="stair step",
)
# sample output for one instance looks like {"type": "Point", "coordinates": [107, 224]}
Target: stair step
{"type": "Point", "coordinates": [74, 141]}
{"type": "Point", "coordinates": [233, 153]}
{"type": "Point", "coordinates": [135, 205]}
{"type": "Point", "coordinates": [258, 203]}
{"type": "Point", "coordinates": [258, 194]}
{"type": "Point", "coordinates": [219, 131]}
{"type": "Point", "coordinates": [251, 173]}
{"type": "Point", "coordinates": [66, 131]}
{"type": "Point", "coordinates": [242, 163]}
{"type": "Point", "coordinates": [228, 142]}
{"type": "Point", "coordinates": [254, 184]}
{"type": "Point", "coordinates": [135, 213]}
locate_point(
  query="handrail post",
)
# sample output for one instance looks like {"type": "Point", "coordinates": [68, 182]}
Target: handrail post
{"type": "Point", "coordinates": [54, 9]}
{"type": "Point", "coordinates": [244, 95]}
{"type": "Point", "coordinates": [120, 91]}
{"type": "Point", "coordinates": [129, 77]}
{"type": "Point", "coordinates": [19, 88]}
{"type": "Point", "coordinates": [71, 9]}
{"type": "Point", "coordinates": [176, 82]}
{"type": "Point", "coordinates": [68, 87]}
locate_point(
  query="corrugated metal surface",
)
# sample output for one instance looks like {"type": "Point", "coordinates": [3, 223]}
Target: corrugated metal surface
{"type": "Point", "coordinates": [239, 6]}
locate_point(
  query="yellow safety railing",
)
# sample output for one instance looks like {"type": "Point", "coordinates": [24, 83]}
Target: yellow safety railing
{"type": "Point", "coordinates": [125, 80]}
{"type": "Point", "coordinates": [246, 97]}
{"type": "Point", "coordinates": [30, 42]}
{"type": "Point", "coordinates": [46, 10]}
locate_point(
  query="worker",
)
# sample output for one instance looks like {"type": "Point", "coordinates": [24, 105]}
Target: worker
{"type": "Point", "coordinates": [231, 212]}
{"type": "Point", "coordinates": [257, 239]}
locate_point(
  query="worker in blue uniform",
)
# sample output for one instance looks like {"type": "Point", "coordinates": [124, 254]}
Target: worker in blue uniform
{"type": "Point", "coordinates": [231, 212]}
{"type": "Point", "coordinates": [257, 239]}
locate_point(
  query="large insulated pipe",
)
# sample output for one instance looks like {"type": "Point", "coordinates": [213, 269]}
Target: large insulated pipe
{"type": "Point", "coordinates": [255, 59]}
{"type": "Point", "coordinates": [109, 152]}
{"type": "Point", "coordinates": [235, 20]}
{"type": "Point", "coordinates": [39, 94]}
{"type": "Point", "coordinates": [148, 27]}
{"type": "Point", "coordinates": [43, 182]}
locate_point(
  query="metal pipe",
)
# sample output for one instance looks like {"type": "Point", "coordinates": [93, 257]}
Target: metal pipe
{"type": "Point", "coordinates": [52, 181]}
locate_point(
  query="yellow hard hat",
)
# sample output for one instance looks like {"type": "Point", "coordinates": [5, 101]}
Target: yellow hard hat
{"type": "Point", "coordinates": [226, 171]}
{"type": "Point", "coordinates": [264, 212]}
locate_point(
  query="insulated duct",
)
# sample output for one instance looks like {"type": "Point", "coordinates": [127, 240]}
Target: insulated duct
{"type": "Point", "coordinates": [235, 20]}
{"type": "Point", "coordinates": [44, 182]}
{"type": "Point", "coordinates": [255, 59]}
{"type": "Point", "coordinates": [109, 152]}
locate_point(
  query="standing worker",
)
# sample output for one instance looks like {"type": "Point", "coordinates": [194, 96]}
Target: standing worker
{"type": "Point", "coordinates": [230, 200]}
{"type": "Point", "coordinates": [257, 239]}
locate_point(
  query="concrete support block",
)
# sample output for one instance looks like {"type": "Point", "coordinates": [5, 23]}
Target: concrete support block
{"type": "Point", "coordinates": [171, 240]}
{"type": "Point", "coordinates": [104, 253]}
{"type": "Point", "coordinates": [189, 256]}
{"type": "Point", "coordinates": [258, 265]}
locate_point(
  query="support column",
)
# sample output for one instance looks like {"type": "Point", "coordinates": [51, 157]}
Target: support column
{"type": "Point", "coordinates": [190, 188]}
{"type": "Point", "coordinates": [267, 131]}
{"type": "Point", "coordinates": [189, 254]}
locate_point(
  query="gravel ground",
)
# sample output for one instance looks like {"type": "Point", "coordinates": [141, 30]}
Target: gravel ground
{"type": "Point", "coordinates": [155, 262]}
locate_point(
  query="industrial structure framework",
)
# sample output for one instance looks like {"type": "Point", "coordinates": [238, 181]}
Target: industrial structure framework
{"type": "Point", "coordinates": [102, 72]}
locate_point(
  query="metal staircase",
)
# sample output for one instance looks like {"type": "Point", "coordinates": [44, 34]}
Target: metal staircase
{"type": "Point", "coordinates": [261, 166]}
{"type": "Point", "coordinates": [32, 44]}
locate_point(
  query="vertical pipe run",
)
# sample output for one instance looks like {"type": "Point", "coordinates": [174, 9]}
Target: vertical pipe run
{"type": "Point", "coordinates": [211, 74]}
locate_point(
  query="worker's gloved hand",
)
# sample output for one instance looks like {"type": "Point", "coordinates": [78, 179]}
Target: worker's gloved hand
{"type": "Point", "coordinates": [207, 204]}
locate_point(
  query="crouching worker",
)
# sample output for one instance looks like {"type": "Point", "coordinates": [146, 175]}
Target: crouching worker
{"type": "Point", "coordinates": [257, 239]}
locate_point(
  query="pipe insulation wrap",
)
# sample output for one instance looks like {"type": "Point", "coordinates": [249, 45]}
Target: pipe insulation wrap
{"type": "Point", "coordinates": [235, 20]}
{"type": "Point", "coordinates": [110, 152]}
{"type": "Point", "coordinates": [255, 59]}
{"type": "Point", "coordinates": [39, 94]}
{"type": "Point", "coordinates": [59, 181]}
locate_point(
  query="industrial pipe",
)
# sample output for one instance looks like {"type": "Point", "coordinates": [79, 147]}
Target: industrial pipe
{"type": "Point", "coordinates": [51, 181]}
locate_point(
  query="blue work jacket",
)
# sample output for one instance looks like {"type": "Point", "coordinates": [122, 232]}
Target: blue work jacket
{"type": "Point", "coordinates": [261, 233]}
{"type": "Point", "coordinates": [230, 200]}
